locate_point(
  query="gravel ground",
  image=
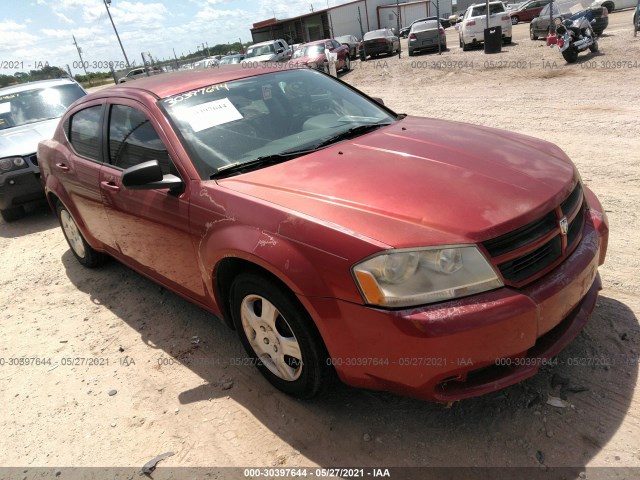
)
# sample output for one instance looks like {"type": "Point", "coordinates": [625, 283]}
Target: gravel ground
{"type": "Point", "coordinates": [200, 401]}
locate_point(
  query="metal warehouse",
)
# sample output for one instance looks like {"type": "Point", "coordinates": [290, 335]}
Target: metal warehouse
{"type": "Point", "coordinates": [353, 18]}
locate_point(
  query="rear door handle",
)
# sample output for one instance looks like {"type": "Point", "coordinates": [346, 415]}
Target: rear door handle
{"type": "Point", "coordinates": [110, 186]}
{"type": "Point", "coordinates": [62, 166]}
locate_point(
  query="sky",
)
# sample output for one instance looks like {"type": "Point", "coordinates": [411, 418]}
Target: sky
{"type": "Point", "coordinates": [33, 32]}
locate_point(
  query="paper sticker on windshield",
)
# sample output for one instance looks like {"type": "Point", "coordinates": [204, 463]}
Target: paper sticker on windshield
{"type": "Point", "coordinates": [211, 114]}
{"type": "Point", "coordinates": [5, 107]}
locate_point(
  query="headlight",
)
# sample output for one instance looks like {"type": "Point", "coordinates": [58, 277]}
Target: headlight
{"type": "Point", "coordinates": [404, 278]}
{"type": "Point", "coordinates": [12, 163]}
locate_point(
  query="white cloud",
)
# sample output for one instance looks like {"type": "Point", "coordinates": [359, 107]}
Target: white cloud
{"type": "Point", "coordinates": [64, 18]}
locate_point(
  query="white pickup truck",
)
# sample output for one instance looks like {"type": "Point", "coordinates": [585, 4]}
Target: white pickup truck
{"type": "Point", "coordinates": [474, 22]}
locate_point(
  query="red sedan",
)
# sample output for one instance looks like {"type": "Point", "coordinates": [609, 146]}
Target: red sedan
{"type": "Point", "coordinates": [428, 258]}
{"type": "Point", "coordinates": [313, 54]}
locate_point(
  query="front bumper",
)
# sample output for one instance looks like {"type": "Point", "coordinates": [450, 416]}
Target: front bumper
{"type": "Point", "coordinates": [471, 346]}
{"type": "Point", "coordinates": [19, 187]}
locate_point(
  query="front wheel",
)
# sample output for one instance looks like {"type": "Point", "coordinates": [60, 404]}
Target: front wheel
{"type": "Point", "coordinates": [594, 47]}
{"type": "Point", "coordinates": [532, 34]}
{"type": "Point", "coordinates": [515, 20]}
{"type": "Point", "coordinates": [570, 54]}
{"type": "Point", "coordinates": [279, 336]}
{"type": "Point", "coordinates": [83, 252]}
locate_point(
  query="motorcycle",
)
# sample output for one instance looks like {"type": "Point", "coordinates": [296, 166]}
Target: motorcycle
{"type": "Point", "coordinates": [575, 35]}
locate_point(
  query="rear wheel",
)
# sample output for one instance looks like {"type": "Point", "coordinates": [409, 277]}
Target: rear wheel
{"type": "Point", "coordinates": [594, 47]}
{"type": "Point", "coordinates": [12, 214]}
{"type": "Point", "coordinates": [86, 255]}
{"type": "Point", "coordinates": [279, 336]}
{"type": "Point", "coordinates": [532, 33]}
{"type": "Point", "coordinates": [515, 20]}
{"type": "Point", "coordinates": [507, 40]}
{"type": "Point", "coordinates": [347, 64]}
{"type": "Point", "coordinates": [570, 54]}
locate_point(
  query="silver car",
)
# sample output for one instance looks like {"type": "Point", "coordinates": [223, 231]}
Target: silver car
{"type": "Point", "coordinates": [425, 36]}
{"type": "Point", "coordinates": [29, 113]}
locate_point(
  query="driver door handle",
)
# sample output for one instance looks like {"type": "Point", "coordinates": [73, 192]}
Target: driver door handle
{"type": "Point", "coordinates": [110, 186]}
{"type": "Point", "coordinates": [62, 166]}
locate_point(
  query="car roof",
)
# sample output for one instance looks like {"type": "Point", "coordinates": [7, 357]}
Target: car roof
{"type": "Point", "coordinates": [263, 43]}
{"type": "Point", "coordinates": [315, 42]}
{"type": "Point", "coordinates": [168, 84]}
{"type": "Point", "coordinates": [23, 87]}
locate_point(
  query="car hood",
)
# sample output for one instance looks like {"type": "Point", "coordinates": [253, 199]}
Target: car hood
{"type": "Point", "coordinates": [421, 182]}
{"type": "Point", "coordinates": [304, 60]}
{"type": "Point", "coordinates": [259, 58]}
{"type": "Point", "coordinates": [24, 140]}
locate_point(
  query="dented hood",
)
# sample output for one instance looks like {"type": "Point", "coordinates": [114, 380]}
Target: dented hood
{"type": "Point", "coordinates": [421, 182]}
{"type": "Point", "coordinates": [23, 140]}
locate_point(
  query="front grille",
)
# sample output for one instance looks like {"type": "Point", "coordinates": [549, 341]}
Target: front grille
{"type": "Point", "coordinates": [530, 257]}
{"type": "Point", "coordinates": [531, 263]}
{"type": "Point", "coordinates": [522, 236]}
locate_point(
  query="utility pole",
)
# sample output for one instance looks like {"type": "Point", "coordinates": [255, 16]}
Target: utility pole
{"type": "Point", "coordinates": [398, 26]}
{"type": "Point", "coordinates": [176, 57]}
{"type": "Point", "coordinates": [81, 61]}
{"type": "Point", "coordinates": [440, 26]}
{"type": "Point", "coordinates": [106, 5]}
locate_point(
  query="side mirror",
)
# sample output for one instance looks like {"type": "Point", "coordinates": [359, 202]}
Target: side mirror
{"type": "Point", "coordinates": [378, 100]}
{"type": "Point", "coordinates": [148, 176]}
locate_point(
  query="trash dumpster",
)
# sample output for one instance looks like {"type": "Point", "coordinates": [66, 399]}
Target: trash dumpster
{"type": "Point", "coordinates": [493, 40]}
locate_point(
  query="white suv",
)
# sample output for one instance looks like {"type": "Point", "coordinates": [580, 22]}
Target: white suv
{"type": "Point", "coordinates": [271, 51]}
{"type": "Point", "coordinates": [475, 21]}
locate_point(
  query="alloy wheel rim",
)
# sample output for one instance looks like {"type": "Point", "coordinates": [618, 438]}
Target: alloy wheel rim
{"type": "Point", "coordinates": [73, 234]}
{"type": "Point", "coordinates": [271, 337]}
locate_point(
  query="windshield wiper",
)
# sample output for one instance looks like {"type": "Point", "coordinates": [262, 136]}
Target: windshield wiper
{"type": "Point", "coordinates": [350, 133]}
{"type": "Point", "coordinates": [263, 161]}
{"type": "Point", "coordinates": [239, 167]}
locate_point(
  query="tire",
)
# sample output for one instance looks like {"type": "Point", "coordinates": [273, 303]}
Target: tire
{"type": "Point", "coordinates": [594, 47]}
{"type": "Point", "coordinates": [12, 214]}
{"type": "Point", "coordinates": [347, 64]}
{"type": "Point", "coordinates": [570, 55]}
{"type": "Point", "coordinates": [532, 34]}
{"type": "Point", "coordinates": [83, 252]}
{"type": "Point", "coordinates": [515, 20]}
{"type": "Point", "coordinates": [507, 40]}
{"type": "Point", "coordinates": [465, 47]}
{"type": "Point", "coordinates": [303, 374]}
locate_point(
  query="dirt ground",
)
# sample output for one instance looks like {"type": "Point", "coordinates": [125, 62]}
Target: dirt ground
{"type": "Point", "coordinates": [198, 399]}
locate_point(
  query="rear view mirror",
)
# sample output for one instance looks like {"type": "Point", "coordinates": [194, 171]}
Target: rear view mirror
{"type": "Point", "coordinates": [148, 176]}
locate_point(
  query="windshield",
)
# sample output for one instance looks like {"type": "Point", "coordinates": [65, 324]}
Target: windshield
{"type": "Point", "coordinates": [569, 7]}
{"type": "Point", "coordinates": [374, 34]}
{"type": "Point", "coordinates": [232, 59]}
{"type": "Point", "coordinates": [36, 105]}
{"type": "Point", "coordinates": [481, 10]}
{"type": "Point", "coordinates": [422, 26]}
{"type": "Point", "coordinates": [261, 50]}
{"type": "Point", "coordinates": [309, 51]}
{"type": "Point", "coordinates": [269, 114]}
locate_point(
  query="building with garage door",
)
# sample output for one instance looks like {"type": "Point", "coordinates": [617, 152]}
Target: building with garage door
{"type": "Point", "coordinates": [352, 18]}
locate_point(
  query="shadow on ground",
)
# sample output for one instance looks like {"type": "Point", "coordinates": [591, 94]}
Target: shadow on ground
{"type": "Point", "coordinates": [349, 427]}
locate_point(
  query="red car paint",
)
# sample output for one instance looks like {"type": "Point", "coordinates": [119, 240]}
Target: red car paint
{"type": "Point", "coordinates": [417, 182]}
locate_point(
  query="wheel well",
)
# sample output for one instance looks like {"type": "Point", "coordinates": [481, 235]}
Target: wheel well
{"type": "Point", "coordinates": [53, 200]}
{"type": "Point", "coordinates": [225, 273]}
